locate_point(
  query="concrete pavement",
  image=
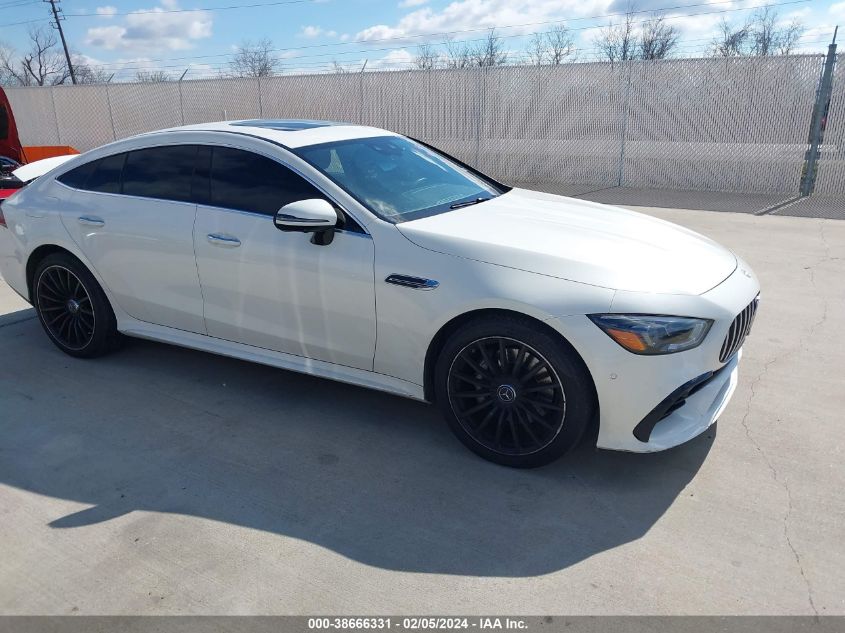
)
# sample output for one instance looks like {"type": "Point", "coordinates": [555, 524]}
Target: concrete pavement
{"type": "Point", "coordinates": [159, 480]}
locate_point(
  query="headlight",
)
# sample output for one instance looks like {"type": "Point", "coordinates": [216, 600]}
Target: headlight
{"type": "Point", "coordinates": [646, 334]}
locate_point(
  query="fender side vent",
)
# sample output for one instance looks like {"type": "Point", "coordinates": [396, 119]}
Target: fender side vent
{"type": "Point", "coordinates": [407, 281]}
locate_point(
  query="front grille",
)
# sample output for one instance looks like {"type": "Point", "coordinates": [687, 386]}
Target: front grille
{"type": "Point", "coordinates": [739, 329]}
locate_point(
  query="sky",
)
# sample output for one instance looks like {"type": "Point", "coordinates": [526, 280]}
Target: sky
{"type": "Point", "coordinates": [124, 36]}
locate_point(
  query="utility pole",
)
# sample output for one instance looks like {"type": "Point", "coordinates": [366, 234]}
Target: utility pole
{"type": "Point", "coordinates": [58, 25]}
{"type": "Point", "coordinates": [823, 93]}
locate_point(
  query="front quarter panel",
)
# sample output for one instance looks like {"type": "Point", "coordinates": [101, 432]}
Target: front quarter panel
{"type": "Point", "coordinates": [409, 319]}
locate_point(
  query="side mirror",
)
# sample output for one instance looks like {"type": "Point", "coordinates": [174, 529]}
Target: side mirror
{"type": "Point", "coordinates": [309, 216]}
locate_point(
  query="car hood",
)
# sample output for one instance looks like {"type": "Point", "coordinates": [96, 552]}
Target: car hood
{"type": "Point", "coordinates": [577, 240]}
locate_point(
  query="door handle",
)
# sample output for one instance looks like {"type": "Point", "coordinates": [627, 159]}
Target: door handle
{"type": "Point", "coordinates": [226, 241]}
{"type": "Point", "coordinates": [90, 220]}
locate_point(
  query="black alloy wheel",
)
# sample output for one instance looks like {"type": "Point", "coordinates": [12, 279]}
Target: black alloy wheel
{"type": "Point", "coordinates": [513, 390]}
{"type": "Point", "coordinates": [72, 307]}
{"type": "Point", "coordinates": [66, 306]}
{"type": "Point", "coordinates": [506, 396]}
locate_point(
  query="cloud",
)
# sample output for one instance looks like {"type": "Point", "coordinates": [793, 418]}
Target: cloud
{"type": "Point", "coordinates": [153, 30]}
{"type": "Point", "coordinates": [399, 59]}
{"type": "Point", "coordinates": [482, 14]}
{"type": "Point", "coordinates": [411, 3]}
{"type": "Point", "coordinates": [312, 32]}
{"type": "Point", "coordinates": [106, 12]}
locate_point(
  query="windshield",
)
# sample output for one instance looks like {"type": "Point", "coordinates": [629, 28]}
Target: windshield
{"type": "Point", "coordinates": [397, 178]}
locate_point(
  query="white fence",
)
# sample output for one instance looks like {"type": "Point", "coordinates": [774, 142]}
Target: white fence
{"type": "Point", "coordinates": [705, 124]}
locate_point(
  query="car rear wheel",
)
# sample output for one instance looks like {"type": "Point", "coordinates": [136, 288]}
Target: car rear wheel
{"type": "Point", "coordinates": [512, 392]}
{"type": "Point", "coordinates": [72, 307]}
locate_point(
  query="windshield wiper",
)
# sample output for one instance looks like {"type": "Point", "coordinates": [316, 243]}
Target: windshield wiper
{"type": "Point", "coordinates": [468, 203]}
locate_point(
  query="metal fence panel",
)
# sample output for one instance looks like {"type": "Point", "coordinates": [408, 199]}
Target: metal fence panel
{"type": "Point", "coordinates": [719, 124]}
{"type": "Point", "coordinates": [138, 108]}
{"type": "Point", "coordinates": [35, 115]}
{"type": "Point", "coordinates": [736, 125]}
{"type": "Point", "coordinates": [333, 97]}
{"type": "Point", "coordinates": [553, 123]}
{"type": "Point", "coordinates": [452, 122]}
{"type": "Point", "coordinates": [201, 101]}
{"type": "Point", "coordinates": [396, 101]}
{"type": "Point", "coordinates": [84, 116]}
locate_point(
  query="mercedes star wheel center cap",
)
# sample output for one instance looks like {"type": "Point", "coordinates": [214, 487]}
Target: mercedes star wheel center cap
{"type": "Point", "coordinates": [506, 393]}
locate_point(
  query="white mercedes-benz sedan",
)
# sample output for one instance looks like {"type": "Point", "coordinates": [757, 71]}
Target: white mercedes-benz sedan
{"type": "Point", "coordinates": [357, 254]}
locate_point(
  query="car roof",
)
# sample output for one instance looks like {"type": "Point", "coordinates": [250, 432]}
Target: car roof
{"type": "Point", "coordinates": [292, 133]}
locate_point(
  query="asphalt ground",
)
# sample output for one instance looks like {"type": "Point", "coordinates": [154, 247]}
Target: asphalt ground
{"type": "Point", "coordinates": [161, 480]}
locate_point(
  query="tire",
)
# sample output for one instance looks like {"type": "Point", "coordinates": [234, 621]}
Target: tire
{"type": "Point", "coordinates": [512, 392]}
{"type": "Point", "coordinates": [72, 307]}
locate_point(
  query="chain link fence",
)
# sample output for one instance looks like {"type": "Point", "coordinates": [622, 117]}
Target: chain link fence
{"type": "Point", "coordinates": [727, 125]}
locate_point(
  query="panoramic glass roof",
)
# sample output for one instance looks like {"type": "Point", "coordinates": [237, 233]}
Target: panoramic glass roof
{"type": "Point", "coordinates": [286, 125]}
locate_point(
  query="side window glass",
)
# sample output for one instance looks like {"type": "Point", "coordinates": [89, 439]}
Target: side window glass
{"type": "Point", "coordinates": [106, 177]}
{"type": "Point", "coordinates": [77, 178]}
{"type": "Point", "coordinates": [160, 172]}
{"type": "Point", "coordinates": [249, 182]}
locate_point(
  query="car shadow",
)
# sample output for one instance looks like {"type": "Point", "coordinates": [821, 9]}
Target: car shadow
{"type": "Point", "coordinates": [375, 478]}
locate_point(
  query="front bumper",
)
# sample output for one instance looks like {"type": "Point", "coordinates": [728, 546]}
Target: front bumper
{"type": "Point", "coordinates": [689, 414]}
{"type": "Point", "coordinates": [631, 387]}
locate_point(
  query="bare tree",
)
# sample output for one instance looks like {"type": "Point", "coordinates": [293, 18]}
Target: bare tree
{"type": "Point", "coordinates": [255, 60]}
{"type": "Point", "coordinates": [552, 47]}
{"type": "Point", "coordinates": [7, 59]}
{"type": "Point", "coordinates": [42, 65]}
{"type": "Point", "coordinates": [561, 44]}
{"type": "Point", "coordinates": [764, 31]}
{"type": "Point", "coordinates": [763, 34]}
{"type": "Point", "coordinates": [152, 76]}
{"type": "Point", "coordinates": [769, 37]}
{"type": "Point", "coordinates": [489, 52]}
{"type": "Point", "coordinates": [88, 73]}
{"type": "Point", "coordinates": [731, 41]}
{"type": "Point", "coordinates": [618, 42]}
{"type": "Point", "coordinates": [337, 67]}
{"type": "Point", "coordinates": [427, 57]}
{"type": "Point", "coordinates": [657, 39]}
{"type": "Point", "coordinates": [458, 54]}
{"type": "Point", "coordinates": [536, 49]}
{"type": "Point", "coordinates": [789, 36]}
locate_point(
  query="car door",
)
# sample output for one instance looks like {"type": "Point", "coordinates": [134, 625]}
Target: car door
{"type": "Point", "coordinates": [278, 290]}
{"type": "Point", "coordinates": [133, 217]}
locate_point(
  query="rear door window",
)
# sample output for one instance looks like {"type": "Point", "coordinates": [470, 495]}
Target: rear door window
{"type": "Point", "coordinates": [160, 172]}
{"type": "Point", "coordinates": [78, 178]}
{"type": "Point", "coordinates": [106, 176]}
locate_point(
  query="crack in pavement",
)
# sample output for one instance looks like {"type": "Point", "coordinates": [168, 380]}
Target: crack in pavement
{"type": "Point", "coordinates": [801, 346]}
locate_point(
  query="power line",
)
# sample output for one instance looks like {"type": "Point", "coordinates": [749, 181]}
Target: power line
{"type": "Point", "coordinates": [223, 8]}
{"type": "Point", "coordinates": [314, 67]}
{"type": "Point", "coordinates": [423, 35]}
{"type": "Point", "coordinates": [166, 11]}
{"type": "Point", "coordinates": [393, 48]}
{"type": "Point", "coordinates": [17, 3]}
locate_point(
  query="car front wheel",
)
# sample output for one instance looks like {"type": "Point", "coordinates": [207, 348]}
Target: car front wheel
{"type": "Point", "coordinates": [513, 392]}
